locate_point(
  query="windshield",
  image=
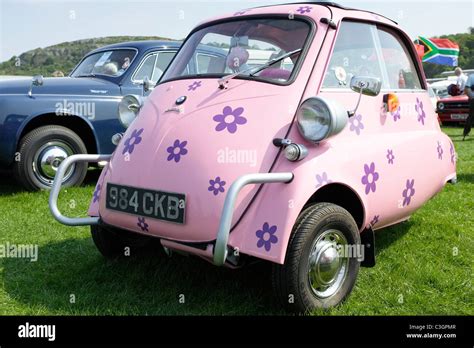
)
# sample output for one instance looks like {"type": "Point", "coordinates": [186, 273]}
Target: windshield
{"type": "Point", "coordinates": [110, 63]}
{"type": "Point", "coordinates": [239, 46]}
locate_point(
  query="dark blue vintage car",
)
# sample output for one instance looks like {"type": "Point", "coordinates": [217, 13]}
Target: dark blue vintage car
{"type": "Point", "coordinates": [42, 121]}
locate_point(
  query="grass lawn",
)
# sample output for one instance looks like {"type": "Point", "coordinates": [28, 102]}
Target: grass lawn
{"type": "Point", "coordinates": [424, 266]}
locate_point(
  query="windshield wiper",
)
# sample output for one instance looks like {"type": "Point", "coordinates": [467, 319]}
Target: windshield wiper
{"type": "Point", "coordinates": [222, 81]}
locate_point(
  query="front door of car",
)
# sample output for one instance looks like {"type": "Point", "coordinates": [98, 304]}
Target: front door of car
{"type": "Point", "coordinates": [391, 148]}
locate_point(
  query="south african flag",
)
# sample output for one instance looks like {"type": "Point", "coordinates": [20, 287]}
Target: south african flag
{"type": "Point", "coordinates": [439, 51]}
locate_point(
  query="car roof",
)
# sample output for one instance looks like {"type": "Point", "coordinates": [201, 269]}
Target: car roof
{"type": "Point", "coordinates": [141, 45]}
{"type": "Point", "coordinates": [330, 4]}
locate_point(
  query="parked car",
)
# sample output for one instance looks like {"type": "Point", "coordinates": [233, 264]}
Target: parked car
{"type": "Point", "coordinates": [453, 109]}
{"type": "Point", "coordinates": [46, 120]}
{"type": "Point", "coordinates": [272, 162]}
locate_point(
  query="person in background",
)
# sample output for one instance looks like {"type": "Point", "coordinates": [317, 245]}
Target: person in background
{"type": "Point", "coordinates": [461, 79]}
{"type": "Point", "coordinates": [469, 91]}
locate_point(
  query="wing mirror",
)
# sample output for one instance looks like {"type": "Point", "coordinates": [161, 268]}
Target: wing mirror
{"type": "Point", "coordinates": [148, 85]}
{"type": "Point", "coordinates": [36, 81]}
{"type": "Point", "coordinates": [365, 85]}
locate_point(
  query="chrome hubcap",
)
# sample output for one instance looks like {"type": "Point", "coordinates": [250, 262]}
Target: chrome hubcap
{"type": "Point", "coordinates": [47, 160]}
{"type": "Point", "coordinates": [327, 265]}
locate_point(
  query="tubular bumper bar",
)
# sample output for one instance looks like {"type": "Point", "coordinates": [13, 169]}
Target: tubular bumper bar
{"type": "Point", "coordinates": [220, 248]}
{"type": "Point", "coordinates": [58, 179]}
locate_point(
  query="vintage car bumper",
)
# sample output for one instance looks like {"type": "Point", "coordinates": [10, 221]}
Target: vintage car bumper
{"type": "Point", "coordinates": [222, 236]}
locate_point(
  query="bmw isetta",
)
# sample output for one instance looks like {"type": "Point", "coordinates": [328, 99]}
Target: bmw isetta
{"type": "Point", "coordinates": [315, 130]}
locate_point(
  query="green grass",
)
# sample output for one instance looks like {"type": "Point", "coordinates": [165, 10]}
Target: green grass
{"type": "Point", "coordinates": [417, 272]}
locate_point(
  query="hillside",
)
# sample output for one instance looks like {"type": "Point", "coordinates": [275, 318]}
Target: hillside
{"type": "Point", "coordinates": [61, 57]}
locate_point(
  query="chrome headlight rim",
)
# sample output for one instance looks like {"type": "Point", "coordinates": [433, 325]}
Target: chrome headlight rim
{"type": "Point", "coordinates": [335, 115]}
{"type": "Point", "coordinates": [129, 108]}
{"type": "Point", "coordinates": [441, 106]}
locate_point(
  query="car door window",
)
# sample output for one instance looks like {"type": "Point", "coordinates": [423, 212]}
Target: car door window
{"type": "Point", "coordinates": [207, 63]}
{"type": "Point", "coordinates": [401, 71]}
{"type": "Point", "coordinates": [164, 59]}
{"type": "Point", "coordinates": [145, 69]}
{"type": "Point", "coordinates": [355, 54]}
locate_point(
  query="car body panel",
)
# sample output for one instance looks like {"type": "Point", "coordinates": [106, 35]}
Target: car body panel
{"type": "Point", "coordinates": [456, 109]}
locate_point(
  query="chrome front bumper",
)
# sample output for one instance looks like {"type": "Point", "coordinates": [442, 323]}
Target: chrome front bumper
{"type": "Point", "coordinates": [220, 248]}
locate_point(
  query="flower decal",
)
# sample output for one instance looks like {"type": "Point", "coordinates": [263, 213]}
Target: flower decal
{"type": "Point", "coordinates": [96, 194]}
{"type": "Point", "coordinates": [304, 9]}
{"type": "Point", "coordinates": [356, 124]}
{"type": "Point", "coordinates": [134, 139]}
{"type": "Point", "coordinates": [240, 13]}
{"type": "Point", "coordinates": [420, 111]}
{"type": "Point", "coordinates": [266, 236]}
{"type": "Point", "coordinates": [195, 85]}
{"type": "Point", "coordinates": [396, 115]}
{"type": "Point", "coordinates": [390, 156]}
{"type": "Point", "coordinates": [177, 150]}
{"type": "Point", "coordinates": [229, 119]}
{"type": "Point", "coordinates": [142, 224]}
{"type": "Point", "coordinates": [440, 151]}
{"type": "Point", "coordinates": [370, 177]}
{"type": "Point", "coordinates": [216, 186]}
{"type": "Point", "coordinates": [374, 221]}
{"type": "Point", "coordinates": [408, 192]}
{"type": "Point", "coordinates": [452, 153]}
{"type": "Point", "coordinates": [322, 179]}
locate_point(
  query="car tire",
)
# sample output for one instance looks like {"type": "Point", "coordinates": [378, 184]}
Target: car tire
{"type": "Point", "coordinates": [36, 166]}
{"type": "Point", "coordinates": [313, 276]}
{"type": "Point", "coordinates": [114, 243]}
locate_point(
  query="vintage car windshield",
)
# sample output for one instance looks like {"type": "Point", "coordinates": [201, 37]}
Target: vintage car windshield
{"type": "Point", "coordinates": [109, 63]}
{"type": "Point", "coordinates": [245, 44]}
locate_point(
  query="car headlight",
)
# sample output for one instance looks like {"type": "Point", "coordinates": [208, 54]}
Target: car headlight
{"type": "Point", "coordinates": [440, 106]}
{"type": "Point", "coordinates": [128, 109]}
{"type": "Point", "coordinates": [319, 118]}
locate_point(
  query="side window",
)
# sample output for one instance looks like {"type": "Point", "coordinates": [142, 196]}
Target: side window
{"type": "Point", "coordinates": [401, 71]}
{"type": "Point", "coordinates": [164, 59]}
{"type": "Point", "coordinates": [146, 69]}
{"type": "Point", "coordinates": [355, 54]}
{"type": "Point", "coordinates": [208, 64]}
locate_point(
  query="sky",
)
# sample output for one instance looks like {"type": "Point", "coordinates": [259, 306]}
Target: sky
{"type": "Point", "coordinates": [29, 24]}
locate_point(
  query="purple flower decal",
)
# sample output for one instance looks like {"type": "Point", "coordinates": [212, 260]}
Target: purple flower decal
{"type": "Point", "coordinates": [374, 221]}
{"type": "Point", "coordinates": [390, 156]}
{"type": "Point", "coordinates": [304, 9]}
{"type": "Point", "coordinates": [322, 179]}
{"type": "Point", "coordinates": [217, 185]}
{"type": "Point", "coordinates": [420, 111]}
{"type": "Point", "coordinates": [440, 151]}
{"type": "Point", "coordinates": [356, 124]}
{"type": "Point", "coordinates": [177, 150]}
{"type": "Point", "coordinates": [266, 236]}
{"type": "Point", "coordinates": [195, 85]}
{"type": "Point", "coordinates": [142, 224]}
{"type": "Point", "coordinates": [229, 119]}
{"type": "Point", "coordinates": [135, 139]}
{"type": "Point", "coordinates": [453, 153]}
{"type": "Point", "coordinates": [408, 192]}
{"type": "Point", "coordinates": [370, 177]}
{"type": "Point", "coordinates": [396, 115]}
{"type": "Point", "coordinates": [96, 193]}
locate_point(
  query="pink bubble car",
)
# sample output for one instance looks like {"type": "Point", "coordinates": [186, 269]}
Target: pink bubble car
{"type": "Point", "coordinates": [311, 131]}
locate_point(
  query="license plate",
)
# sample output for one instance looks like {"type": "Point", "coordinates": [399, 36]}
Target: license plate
{"type": "Point", "coordinates": [459, 116]}
{"type": "Point", "coordinates": [161, 205]}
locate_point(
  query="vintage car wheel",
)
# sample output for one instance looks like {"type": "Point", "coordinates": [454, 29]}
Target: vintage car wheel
{"type": "Point", "coordinates": [42, 151]}
{"type": "Point", "coordinates": [315, 274]}
{"type": "Point", "coordinates": [114, 243]}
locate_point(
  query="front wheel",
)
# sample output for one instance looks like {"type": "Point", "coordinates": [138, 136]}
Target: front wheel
{"type": "Point", "coordinates": [41, 152]}
{"type": "Point", "coordinates": [322, 260]}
